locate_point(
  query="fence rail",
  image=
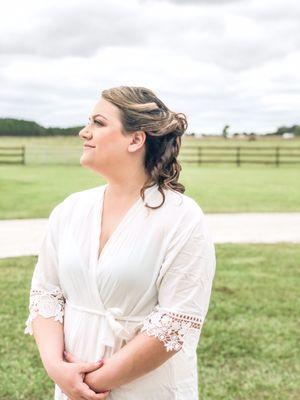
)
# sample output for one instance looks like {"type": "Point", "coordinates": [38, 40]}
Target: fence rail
{"type": "Point", "coordinates": [240, 155]}
{"type": "Point", "coordinates": [9, 156]}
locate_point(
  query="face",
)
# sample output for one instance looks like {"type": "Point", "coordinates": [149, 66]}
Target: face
{"type": "Point", "coordinates": [109, 149]}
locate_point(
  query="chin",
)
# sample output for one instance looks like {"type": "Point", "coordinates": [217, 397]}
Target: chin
{"type": "Point", "coordinates": [84, 162]}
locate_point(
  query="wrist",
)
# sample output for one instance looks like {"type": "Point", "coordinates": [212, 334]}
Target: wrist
{"type": "Point", "coordinates": [97, 381]}
{"type": "Point", "coordinates": [52, 367]}
{"type": "Point", "coordinates": [109, 374]}
{"type": "Point", "coordinates": [101, 379]}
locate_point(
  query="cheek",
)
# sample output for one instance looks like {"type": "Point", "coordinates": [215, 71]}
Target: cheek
{"type": "Point", "coordinates": [111, 145]}
{"type": "Point", "coordinates": [102, 141]}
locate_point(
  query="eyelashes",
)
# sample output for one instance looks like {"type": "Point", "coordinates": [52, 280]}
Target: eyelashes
{"type": "Point", "coordinates": [96, 122]}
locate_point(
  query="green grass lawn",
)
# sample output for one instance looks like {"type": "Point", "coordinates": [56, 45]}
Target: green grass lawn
{"type": "Point", "coordinates": [251, 343]}
{"type": "Point", "coordinates": [31, 191]}
{"type": "Point", "coordinates": [249, 347]}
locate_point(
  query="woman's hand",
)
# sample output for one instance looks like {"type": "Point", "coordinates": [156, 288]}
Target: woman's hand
{"type": "Point", "coordinates": [70, 378]}
{"type": "Point", "coordinates": [93, 379]}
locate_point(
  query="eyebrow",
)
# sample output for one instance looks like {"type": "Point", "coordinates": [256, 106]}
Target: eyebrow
{"type": "Point", "coordinates": [96, 115]}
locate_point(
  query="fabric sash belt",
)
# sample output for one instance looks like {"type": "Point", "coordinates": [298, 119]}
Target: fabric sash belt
{"type": "Point", "coordinates": [113, 327]}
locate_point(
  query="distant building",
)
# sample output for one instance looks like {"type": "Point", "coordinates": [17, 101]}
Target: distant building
{"type": "Point", "coordinates": [252, 136]}
{"type": "Point", "coordinates": [288, 135]}
{"type": "Point", "coordinates": [237, 135]}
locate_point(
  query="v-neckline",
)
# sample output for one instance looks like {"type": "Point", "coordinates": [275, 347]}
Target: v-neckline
{"type": "Point", "coordinates": [98, 220]}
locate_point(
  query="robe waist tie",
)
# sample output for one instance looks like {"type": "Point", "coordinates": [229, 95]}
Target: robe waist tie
{"type": "Point", "coordinates": [114, 328]}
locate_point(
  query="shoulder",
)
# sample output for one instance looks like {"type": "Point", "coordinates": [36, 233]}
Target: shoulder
{"type": "Point", "coordinates": [195, 222]}
{"type": "Point", "coordinates": [75, 199]}
{"type": "Point", "coordinates": [179, 215]}
{"type": "Point", "coordinates": [183, 206]}
{"type": "Point", "coordinates": [81, 195]}
{"type": "Point", "coordinates": [188, 223]}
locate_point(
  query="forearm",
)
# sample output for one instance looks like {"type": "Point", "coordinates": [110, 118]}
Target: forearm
{"type": "Point", "coordinates": [139, 356]}
{"type": "Point", "coordinates": [49, 338]}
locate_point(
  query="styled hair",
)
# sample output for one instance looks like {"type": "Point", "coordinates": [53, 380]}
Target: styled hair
{"type": "Point", "coordinates": [141, 109]}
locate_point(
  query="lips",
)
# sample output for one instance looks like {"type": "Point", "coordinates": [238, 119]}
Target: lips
{"type": "Point", "coordinates": [87, 145]}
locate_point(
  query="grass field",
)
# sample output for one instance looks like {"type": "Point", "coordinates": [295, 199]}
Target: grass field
{"type": "Point", "coordinates": [31, 191]}
{"type": "Point", "coordinates": [249, 347]}
{"type": "Point", "coordinates": [250, 344]}
{"type": "Point", "coordinates": [53, 170]}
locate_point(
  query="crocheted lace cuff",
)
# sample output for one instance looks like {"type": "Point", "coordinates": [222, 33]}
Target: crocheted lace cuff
{"type": "Point", "coordinates": [45, 303]}
{"type": "Point", "coordinates": [171, 328]}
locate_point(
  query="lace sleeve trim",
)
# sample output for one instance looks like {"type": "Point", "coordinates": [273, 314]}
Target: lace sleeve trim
{"type": "Point", "coordinates": [45, 303]}
{"type": "Point", "coordinates": [170, 327]}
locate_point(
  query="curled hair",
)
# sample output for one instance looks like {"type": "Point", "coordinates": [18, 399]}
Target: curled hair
{"type": "Point", "coordinates": [141, 109]}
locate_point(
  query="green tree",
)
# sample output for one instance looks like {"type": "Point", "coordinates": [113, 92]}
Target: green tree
{"type": "Point", "coordinates": [225, 131]}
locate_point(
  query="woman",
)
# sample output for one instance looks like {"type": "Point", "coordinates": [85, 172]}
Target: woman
{"type": "Point", "coordinates": [125, 270]}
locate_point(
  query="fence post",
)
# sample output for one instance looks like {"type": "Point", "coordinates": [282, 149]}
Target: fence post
{"type": "Point", "coordinates": [277, 156]}
{"type": "Point", "coordinates": [199, 155]}
{"type": "Point", "coordinates": [23, 155]}
{"type": "Point", "coordinates": [238, 160]}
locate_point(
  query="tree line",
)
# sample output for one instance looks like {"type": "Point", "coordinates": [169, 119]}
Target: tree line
{"type": "Point", "coordinates": [21, 127]}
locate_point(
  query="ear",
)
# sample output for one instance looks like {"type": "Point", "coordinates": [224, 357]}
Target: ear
{"type": "Point", "coordinates": [137, 140]}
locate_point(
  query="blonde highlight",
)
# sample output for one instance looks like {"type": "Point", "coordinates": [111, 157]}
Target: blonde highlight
{"type": "Point", "coordinates": [141, 109]}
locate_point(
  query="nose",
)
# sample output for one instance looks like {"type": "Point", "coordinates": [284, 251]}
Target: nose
{"type": "Point", "coordinates": [84, 132]}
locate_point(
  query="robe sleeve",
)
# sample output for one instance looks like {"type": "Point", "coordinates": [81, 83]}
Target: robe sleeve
{"type": "Point", "coordinates": [184, 288]}
{"type": "Point", "coordinates": [46, 297]}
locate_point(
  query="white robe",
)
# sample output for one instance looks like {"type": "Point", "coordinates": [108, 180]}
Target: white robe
{"type": "Point", "coordinates": [154, 274]}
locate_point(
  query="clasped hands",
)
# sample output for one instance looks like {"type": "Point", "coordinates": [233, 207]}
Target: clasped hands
{"type": "Point", "coordinates": [74, 377]}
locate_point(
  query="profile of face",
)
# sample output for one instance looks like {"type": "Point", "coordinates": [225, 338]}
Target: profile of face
{"type": "Point", "coordinates": [110, 148]}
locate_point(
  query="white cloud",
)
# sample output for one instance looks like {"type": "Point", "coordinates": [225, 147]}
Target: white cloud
{"type": "Point", "coordinates": [196, 2]}
{"type": "Point", "coordinates": [227, 62]}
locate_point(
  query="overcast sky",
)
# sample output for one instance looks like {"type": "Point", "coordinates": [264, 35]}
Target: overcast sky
{"type": "Point", "coordinates": [234, 62]}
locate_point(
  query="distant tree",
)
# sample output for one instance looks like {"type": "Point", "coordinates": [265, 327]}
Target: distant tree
{"type": "Point", "coordinates": [289, 129]}
{"type": "Point", "coordinates": [297, 130]}
{"type": "Point", "coordinates": [225, 131]}
{"type": "Point", "coordinates": [21, 127]}
{"type": "Point", "coordinates": [64, 131]}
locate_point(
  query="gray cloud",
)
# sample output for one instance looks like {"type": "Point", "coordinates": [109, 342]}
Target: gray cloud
{"type": "Point", "coordinates": [196, 2]}
{"type": "Point", "coordinates": [72, 31]}
{"type": "Point", "coordinates": [236, 40]}
{"type": "Point", "coordinates": [218, 64]}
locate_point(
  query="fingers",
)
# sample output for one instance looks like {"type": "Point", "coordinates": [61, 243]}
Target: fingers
{"type": "Point", "coordinates": [89, 394]}
{"type": "Point", "coordinates": [94, 365]}
{"type": "Point", "coordinates": [89, 367]}
{"type": "Point", "coordinates": [97, 396]}
{"type": "Point", "coordinates": [85, 393]}
{"type": "Point", "coordinates": [70, 358]}
{"type": "Point", "coordinates": [103, 395]}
